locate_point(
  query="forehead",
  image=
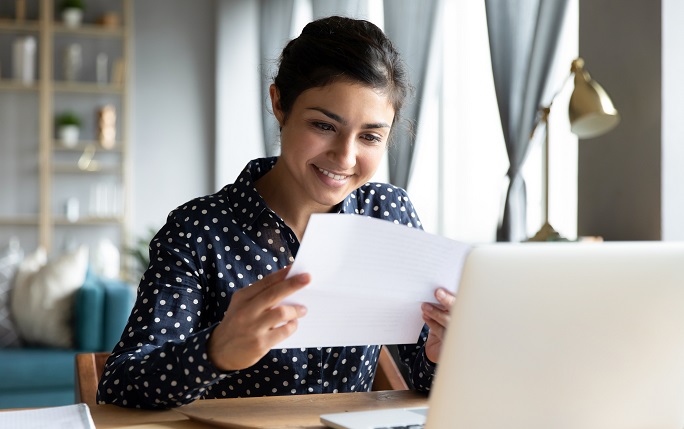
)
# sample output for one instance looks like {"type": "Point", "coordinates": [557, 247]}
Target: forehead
{"type": "Point", "coordinates": [348, 99]}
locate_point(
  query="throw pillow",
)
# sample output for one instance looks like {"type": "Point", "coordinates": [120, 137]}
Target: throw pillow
{"type": "Point", "coordinates": [44, 294]}
{"type": "Point", "coordinates": [9, 261]}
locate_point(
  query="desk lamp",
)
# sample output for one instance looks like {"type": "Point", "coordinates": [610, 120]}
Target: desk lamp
{"type": "Point", "coordinates": [591, 114]}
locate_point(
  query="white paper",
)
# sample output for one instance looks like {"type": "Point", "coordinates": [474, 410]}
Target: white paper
{"type": "Point", "coordinates": [75, 416]}
{"type": "Point", "coordinates": [368, 280]}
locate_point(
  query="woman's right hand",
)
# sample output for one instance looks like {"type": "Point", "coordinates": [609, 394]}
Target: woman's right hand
{"type": "Point", "coordinates": [256, 320]}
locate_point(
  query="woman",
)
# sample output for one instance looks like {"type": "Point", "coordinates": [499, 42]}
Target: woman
{"type": "Point", "coordinates": [209, 309]}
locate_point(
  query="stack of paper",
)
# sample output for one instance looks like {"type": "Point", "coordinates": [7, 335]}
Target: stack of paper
{"type": "Point", "coordinates": [75, 416]}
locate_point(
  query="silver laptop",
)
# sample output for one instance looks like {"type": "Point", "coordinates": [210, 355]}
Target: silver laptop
{"type": "Point", "coordinates": [560, 335]}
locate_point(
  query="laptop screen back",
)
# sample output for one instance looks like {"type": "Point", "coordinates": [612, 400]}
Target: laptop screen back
{"type": "Point", "coordinates": [565, 335]}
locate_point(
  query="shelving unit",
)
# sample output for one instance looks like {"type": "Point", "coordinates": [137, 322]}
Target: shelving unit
{"type": "Point", "coordinates": [46, 176]}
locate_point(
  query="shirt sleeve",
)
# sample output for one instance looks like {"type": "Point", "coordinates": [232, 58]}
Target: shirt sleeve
{"type": "Point", "coordinates": [420, 369]}
{"type": "Point", "coordinates": [161, 360]}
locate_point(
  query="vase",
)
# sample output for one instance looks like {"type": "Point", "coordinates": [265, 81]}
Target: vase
{"type": "Point", "coordinates": [101, 68]}
{"type": "Point", "coordinates": [72, 62]}
{"type": "Point", "coordinates": [68, 135]}
{"type": "Point", "coordinates": [72, 17]}
{"type": "Point", "coordinates": [24, 59]}
{"type": "Point", "coordinates": [106, 122]}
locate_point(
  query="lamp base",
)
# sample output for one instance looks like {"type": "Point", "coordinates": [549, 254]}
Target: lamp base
{"type": "Point", "coordinates": [547, 233]}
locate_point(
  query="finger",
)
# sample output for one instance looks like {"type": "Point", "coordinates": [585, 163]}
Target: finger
{"type": "Point", "coordinates": [278, 334]}
{"type": "Point", "coordinates": [438, 315]}
{"type": "Point", "coordinates": [281, 314]}
{"type": "Point", "coordinates": [275, 294]}
{"type": "Point", "coordinates": [268, 281]}
{"type": "Point", "coordinates": [445, 297]}
{"type": "Point", "coordinates": [436, 330]}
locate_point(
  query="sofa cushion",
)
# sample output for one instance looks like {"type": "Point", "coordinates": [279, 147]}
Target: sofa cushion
{"type": "Point", "coordinates": [119, 300]}
{"type": "Point", "coordinates": [9, 261]}
{"type": "Point", "coordinates": [89, 315]}
{"type": "Point", "coordinates": [45, 397]}
{"type": "Point", "coordinates": [36, 368]}
{"type": "Point", "coordinates": [43, 299]}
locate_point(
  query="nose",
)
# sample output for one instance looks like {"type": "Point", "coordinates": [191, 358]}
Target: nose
{"type": "Point", "coordinates": [343, 151]}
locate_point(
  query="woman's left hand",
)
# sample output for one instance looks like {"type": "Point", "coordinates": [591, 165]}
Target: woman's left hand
{"type": "Point", "coordinates": [437, 317]}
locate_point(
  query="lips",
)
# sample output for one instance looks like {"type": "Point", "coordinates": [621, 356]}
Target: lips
{"type": "Point", "coordinates": [333, 176]}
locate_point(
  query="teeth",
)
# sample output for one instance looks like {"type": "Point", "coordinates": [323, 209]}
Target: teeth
{"type": "Point", "coordinates": [331, 175]}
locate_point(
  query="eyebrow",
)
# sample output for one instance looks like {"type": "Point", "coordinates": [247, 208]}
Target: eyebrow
{"type": "Point", "coordinates": [338, 118]}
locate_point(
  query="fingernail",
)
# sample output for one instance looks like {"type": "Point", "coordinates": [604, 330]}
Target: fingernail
{"type": "Point", "coordinates": [426, 307]}
{"type": "Point", "coordinates": [440, 294]}
{"type": "Point", "coordinates": [302, 278]}
{"type": "Point", "coordinates": [301, 310]}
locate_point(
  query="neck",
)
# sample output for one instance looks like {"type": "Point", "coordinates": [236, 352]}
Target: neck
{"type": "Point", "coordinates": [282, 198]}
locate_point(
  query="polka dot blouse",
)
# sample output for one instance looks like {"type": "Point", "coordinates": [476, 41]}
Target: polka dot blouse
{"type": "Point", "coordinates": [208, 249]}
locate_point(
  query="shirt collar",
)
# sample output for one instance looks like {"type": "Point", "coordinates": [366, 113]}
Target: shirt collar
{"type": "Point", "coordinates": [247, 204]}
{"type": "Point", "coordinates": [348, 205]}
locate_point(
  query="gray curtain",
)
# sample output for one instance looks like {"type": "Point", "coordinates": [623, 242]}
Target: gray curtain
{"type": "Point", "coordinates": [410, 25]}
{"type": "Point", "coordinates": [350, 8]}
{"type": "Point", "coordinates": [522, 36]}
{"type": "Point", "coordinates": [274, 32]}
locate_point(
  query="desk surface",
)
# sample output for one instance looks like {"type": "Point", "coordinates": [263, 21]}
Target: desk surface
{"type": "Point", "coordinates": [298, 411]}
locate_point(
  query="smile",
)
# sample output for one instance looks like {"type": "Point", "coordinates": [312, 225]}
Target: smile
{"type": "Point", "coordinates": [331, 175]}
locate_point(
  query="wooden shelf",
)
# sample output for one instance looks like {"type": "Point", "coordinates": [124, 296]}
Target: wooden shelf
{"type": "Point", "coordinates": [17, 26]}
{"type": "Point", "coordinates": [87, 221]}
{"type": "Point", "coordinates": [58, 176]}
{"type": "Point", "coordinates": [73, 169]}
{"type": "Point", "coordinates": [57, 146]}
{"type": "Point", "coordinates": [15, 85]}
{"type": "Point", "coordinates": [26, 220]}
{"type": "Point", "coordinates": [94, 30]}
{"type": "Point", "coordinates": [87, 87]}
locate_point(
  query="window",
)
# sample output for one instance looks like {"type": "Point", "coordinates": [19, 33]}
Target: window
{"type": "Point", "coordinates": [458, 181]}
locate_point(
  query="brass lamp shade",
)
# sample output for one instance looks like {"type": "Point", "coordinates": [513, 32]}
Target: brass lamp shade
{"type": "Point", "coordinates": [591, 111]}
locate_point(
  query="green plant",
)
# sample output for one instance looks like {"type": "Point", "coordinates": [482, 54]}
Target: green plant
{"type": "Point", "coordinates": [140, 254]}
{"type": "Point", "coordinates": [72, 4]}
{"type": "Point", "coordinates": [68, 118]}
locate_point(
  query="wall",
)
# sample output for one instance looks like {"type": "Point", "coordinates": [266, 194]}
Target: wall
{"type": "Point", "coordinates": [672, 124]}
{"type": "Point", "coordinates": [172, 108]}
{"type": "Point", "coordinates": [619, 189]}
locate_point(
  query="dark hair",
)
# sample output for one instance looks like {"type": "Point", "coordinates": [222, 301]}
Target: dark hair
{"type": "Point", "coordinates": [337, 48]}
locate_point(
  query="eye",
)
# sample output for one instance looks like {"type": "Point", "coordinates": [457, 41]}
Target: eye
{"type": "Point", "coordinates": [324, 126]}
{"type": "Point", "coordinates": [372, 138]}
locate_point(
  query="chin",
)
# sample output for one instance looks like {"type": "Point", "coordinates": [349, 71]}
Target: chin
{"type": "Point", "coordinates": [332, 199]}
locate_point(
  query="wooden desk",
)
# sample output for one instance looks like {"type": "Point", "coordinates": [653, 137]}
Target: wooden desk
{"type": "Point", "coordinates": [298, 411]}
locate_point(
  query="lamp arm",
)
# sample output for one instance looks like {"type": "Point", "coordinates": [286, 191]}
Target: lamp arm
{"type": "Point", "coordinates": [545, 110]}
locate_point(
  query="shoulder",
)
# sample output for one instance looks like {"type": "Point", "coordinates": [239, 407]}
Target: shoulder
{"type": "Point", "coordinates": [384, 201]}
{"type": "Point", "coordinates": [207, 214]}
{"type": "Point", "coordinates": [207, 205]}
{"type": "Point", "coordinates": [380, 193]}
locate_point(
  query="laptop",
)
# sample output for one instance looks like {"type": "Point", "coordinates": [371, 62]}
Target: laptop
{"type": "Point", "coordinates": [558, 335]}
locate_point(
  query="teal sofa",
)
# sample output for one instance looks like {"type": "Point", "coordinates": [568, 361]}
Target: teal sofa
{"type": "Point", "coordinates": [40, 377]}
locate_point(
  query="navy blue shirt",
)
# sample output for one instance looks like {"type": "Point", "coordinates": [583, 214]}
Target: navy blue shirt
{"type": "Point", "coordinates": [209, 248]}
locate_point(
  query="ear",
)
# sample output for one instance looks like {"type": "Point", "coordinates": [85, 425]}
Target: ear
{"type": "Point", "coordinates": [275, 104]}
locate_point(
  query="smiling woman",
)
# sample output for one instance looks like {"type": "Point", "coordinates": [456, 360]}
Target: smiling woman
{"type": "Point", "coordinates": [210, 306]}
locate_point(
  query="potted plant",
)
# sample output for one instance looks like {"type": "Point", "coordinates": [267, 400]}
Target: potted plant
{"type": "Point", "coordinates": [72, 12]}
{"type": "Point", "coordinates": [68, 128]}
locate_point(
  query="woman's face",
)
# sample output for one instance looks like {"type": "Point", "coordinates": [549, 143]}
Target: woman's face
{"type": "Point", "coordinates": [333, 140]}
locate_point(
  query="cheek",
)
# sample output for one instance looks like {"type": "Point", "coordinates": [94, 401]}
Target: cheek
{"type": "Point", "coordinates": [371, 159]}
{"type": "Point", "coordinates": [300, 142]}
